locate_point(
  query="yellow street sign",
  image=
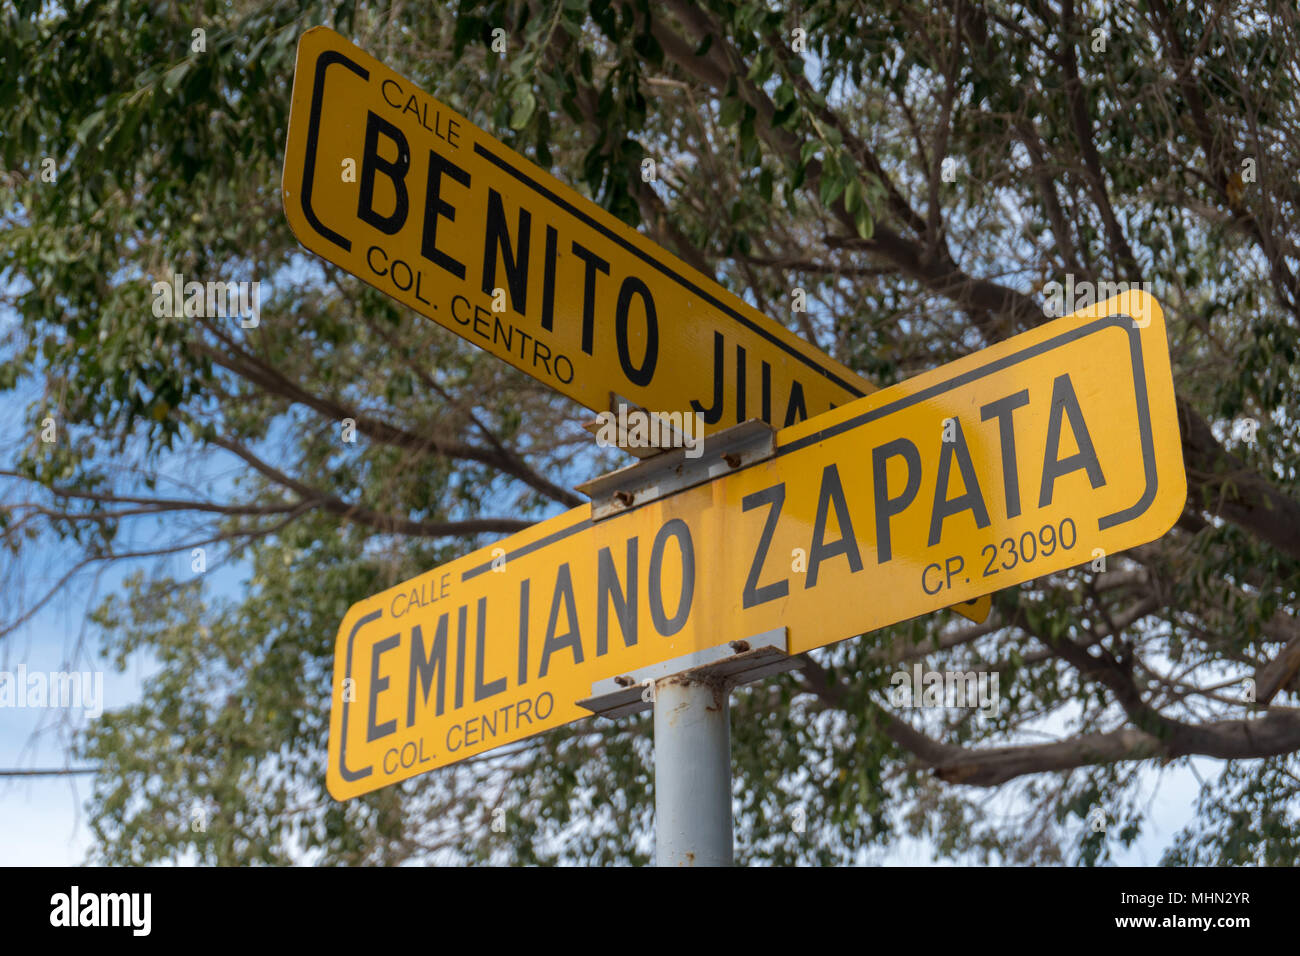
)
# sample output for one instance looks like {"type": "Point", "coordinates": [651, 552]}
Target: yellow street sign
{"type": "Point", "coordinates": [1048, 451]}
{"type": "Point", "coordinates": [406, 194]}
{"type": "Point", "coordinates": [401, 191]}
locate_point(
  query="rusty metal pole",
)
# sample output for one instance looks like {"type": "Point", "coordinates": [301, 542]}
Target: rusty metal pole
{"type": "Point", "coordinates": [692, 719]}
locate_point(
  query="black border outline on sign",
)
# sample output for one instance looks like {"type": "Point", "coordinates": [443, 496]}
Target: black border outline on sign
{"type": "Point", "coordinates": [523, 177]}
{"type": "Point", "coordinates": [330, 57]}
{"type": "Point", "coordinates": [1117, 320]}
{"type": "Point", "coordinates": [344, 772]}
{"type": "Point", "coordinates": [323, 62]}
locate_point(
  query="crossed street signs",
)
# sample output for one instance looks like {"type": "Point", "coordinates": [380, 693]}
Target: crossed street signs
{"type": "Point", "coordinates": [866, 508]}
{"type": "Point", "coordinates": [449, 221]}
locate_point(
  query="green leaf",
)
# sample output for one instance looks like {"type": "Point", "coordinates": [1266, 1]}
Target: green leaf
{"type": "Point", "coordinates": [524, 103]}
{"type": "Point", "coordinates": [853, 199]}
{"type": "Point", "coordinates": [173, 77]}
{"type": "Point", "coordinates": [648, 48]}
{"type": "Point", "coordinates": [761, 68]}
{"type": "Point", "coordinates": [786, 116]}
{"type": "Point", "coordinates": [862, 220]}
{"type": "Point", "coordinates": [88, 124]}
{"type": "Point", "coordinates": [831, 186]}
{"type": "Point", "coordinates": [732, 110]}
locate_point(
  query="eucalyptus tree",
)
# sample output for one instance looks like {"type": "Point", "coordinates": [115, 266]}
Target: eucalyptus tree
{"type": "Point", "coordinates": [924, 172]}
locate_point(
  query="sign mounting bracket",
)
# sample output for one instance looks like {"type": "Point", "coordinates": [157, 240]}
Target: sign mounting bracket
{"type": "Point", "coordinates": [653, 478]}
{"type": "Point", "coordinates": [691, 699]}
{"type": "Point", "coordinates": [735, 663]}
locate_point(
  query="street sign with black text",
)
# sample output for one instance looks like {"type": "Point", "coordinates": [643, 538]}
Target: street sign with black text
{"type": "Point", "coordinates": [449, 221]}
{"type": "Point", "coordinates": [1039, 454]}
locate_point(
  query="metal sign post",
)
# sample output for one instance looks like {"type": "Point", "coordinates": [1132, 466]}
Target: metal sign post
{"type": "Point", "coordinates": [693, 772]}
{"type": "Point", "coordinates": [691, 697]}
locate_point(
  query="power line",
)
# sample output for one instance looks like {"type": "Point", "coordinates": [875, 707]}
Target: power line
{"type": "Point", "coordinates": [52, 772]}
